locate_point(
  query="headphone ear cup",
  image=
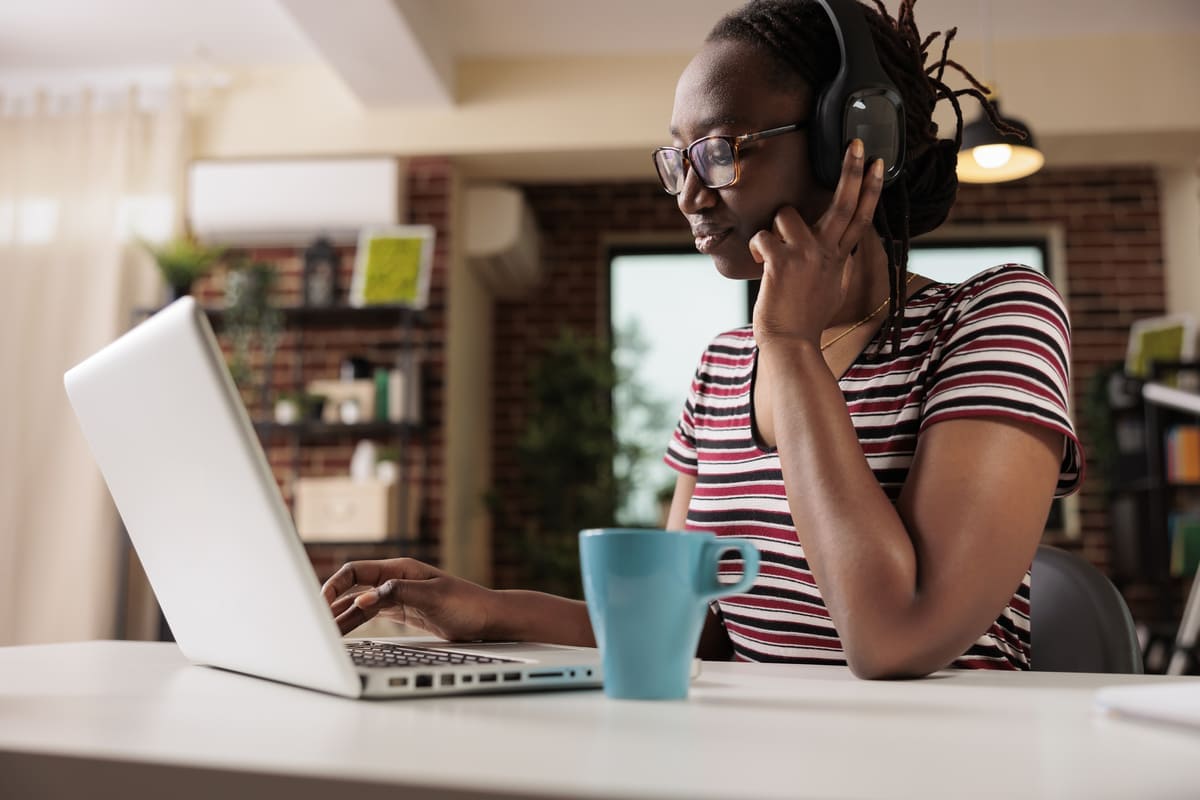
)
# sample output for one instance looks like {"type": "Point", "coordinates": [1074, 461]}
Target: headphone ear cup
{"type": "Point", "coordinates": [826, 137]}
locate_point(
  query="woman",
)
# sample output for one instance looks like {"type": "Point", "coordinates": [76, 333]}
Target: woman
{"type": "Point", "coordinates": [895, 469]}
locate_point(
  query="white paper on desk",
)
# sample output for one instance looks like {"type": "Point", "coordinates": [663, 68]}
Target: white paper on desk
{"type": "Point", "coordinates": [1177, 703]}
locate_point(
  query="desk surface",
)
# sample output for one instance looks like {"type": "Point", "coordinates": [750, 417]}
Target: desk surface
{"type": "Point", "coordinates": [748, 730]}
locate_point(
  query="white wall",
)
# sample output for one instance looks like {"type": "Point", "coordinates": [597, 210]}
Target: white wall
{"type": "Point", "coordinates": [1095, 101]}
{"type": "Point", "coordinates": [1091, 100]}
{"type": "Point", "coordinates": [1180, 198]}
{"type": "Point", "coordinates": [466, 529]}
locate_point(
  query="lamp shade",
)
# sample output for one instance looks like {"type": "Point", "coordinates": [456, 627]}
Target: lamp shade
{"type": "Point", "coordinates": [989, 156]}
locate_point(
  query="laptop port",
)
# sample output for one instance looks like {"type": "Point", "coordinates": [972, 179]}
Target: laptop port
{"type": "Point", "coordinates": [512, 676]}
{"type": "Point", "coordinates": [487, 677]}
{"type": "Point", "coordinates": [424, 681]}
{"type": "Point", "coordinates": [446, 680]}
{"type": "Point", "coordinates": [467, 678]}
{"type": "Point", "coordinates": [555, 674]}
{"type": "Point", "coordinates": [398, 681]}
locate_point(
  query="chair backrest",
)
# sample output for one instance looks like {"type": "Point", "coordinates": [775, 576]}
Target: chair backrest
{"type": "Point", "coordinates": [1078, 620]}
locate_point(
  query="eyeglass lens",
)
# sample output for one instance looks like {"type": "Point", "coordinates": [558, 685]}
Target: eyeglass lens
{"type": "Point", "coordinates": [711, 157]}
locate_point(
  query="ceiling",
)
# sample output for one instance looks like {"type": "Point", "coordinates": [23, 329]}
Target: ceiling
{"type": "Point", "coordinates": [88, 35]}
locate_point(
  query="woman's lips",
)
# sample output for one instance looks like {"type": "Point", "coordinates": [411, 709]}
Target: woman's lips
{"type": "Point", "coordinates": [709, 241]}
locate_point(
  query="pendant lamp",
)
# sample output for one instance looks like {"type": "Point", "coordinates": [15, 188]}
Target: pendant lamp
{"type": "Point", "coordinates": [989, 156]}
{"type": "Point", "coordinates": [986, 154]}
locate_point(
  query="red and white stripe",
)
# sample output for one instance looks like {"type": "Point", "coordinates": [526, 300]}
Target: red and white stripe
{"type": "Point", "coordinates": [995, 345]}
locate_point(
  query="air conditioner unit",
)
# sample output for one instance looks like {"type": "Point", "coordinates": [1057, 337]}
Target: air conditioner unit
{"type": "Point", "coordinates": [502, 240]}
{"type": "Point", "coordinates": [289, 202]}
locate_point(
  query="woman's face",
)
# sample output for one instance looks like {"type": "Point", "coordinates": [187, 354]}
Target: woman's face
{"type": "Point", "coordinates": [725, 90]}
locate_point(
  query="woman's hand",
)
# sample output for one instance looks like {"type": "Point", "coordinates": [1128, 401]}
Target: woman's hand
{"type": "Point", "coordinates": [411, 593]}
{"type": "Point", "coordinates": [804, 281]}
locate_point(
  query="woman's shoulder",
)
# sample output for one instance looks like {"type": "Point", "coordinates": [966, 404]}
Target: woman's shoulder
{"type": "Point", "coordinates": [995, 286]}
{"type": "Point", "coordinates": [1002, 279]}
{"type": "Point", "coordinates": [729, 355]}
{"type": "Point", "coordinates": [735, 342]}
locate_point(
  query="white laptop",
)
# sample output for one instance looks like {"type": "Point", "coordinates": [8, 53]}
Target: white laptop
{"type": "Point", "coordinates": [190, 480]}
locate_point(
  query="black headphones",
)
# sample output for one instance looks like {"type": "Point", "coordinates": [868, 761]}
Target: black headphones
{"type": "Point", "coordinates": [860, 103]}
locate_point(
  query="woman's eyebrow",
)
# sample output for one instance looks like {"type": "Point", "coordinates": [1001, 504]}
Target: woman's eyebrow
{"type": "Point", "coordinates": [709, 124]}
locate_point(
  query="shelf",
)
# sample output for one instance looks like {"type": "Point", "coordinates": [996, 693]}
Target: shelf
{"type": "Point", "coordinates": [317, 316]}
{"type": "Point", "coordinates": [329, 430]}
{"type": "Point", "coordinates": [1170, 397]}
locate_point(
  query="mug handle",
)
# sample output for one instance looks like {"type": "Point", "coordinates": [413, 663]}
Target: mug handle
{"type": "Point", "coordinates": [713, 588]}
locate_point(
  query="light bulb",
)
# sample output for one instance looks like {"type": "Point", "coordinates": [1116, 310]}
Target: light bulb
{"type": "Point", "coordinates": [992, 156]}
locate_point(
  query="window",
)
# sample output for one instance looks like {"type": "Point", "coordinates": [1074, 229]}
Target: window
{"type": "Point", "coordinates": [664, 308]}
{"type": "Point", "coordinates": [955, 261]}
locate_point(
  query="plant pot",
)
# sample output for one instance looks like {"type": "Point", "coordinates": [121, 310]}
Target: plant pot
{"type": "Point", "coordinates": [176, 291]}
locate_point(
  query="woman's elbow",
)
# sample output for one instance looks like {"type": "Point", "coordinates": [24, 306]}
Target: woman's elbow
{"type": "Point", "coordinates": [890, 663]}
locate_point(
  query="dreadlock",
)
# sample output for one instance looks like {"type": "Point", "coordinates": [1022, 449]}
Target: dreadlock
{"type": "Point", "coordinates": [799, 38]}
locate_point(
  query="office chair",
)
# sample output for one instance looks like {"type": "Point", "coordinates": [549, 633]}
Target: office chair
{"type": "Point", "coordinates": [1078, 620]}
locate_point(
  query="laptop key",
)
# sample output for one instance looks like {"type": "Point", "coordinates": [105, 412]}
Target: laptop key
{"type": "Point", "coordinates": [387, 654]}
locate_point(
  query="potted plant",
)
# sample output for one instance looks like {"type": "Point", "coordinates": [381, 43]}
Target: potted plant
{"type": "Point", "coordinates": [251, 319]}
{"type": "Point", "coordinates": [293, 407]}
{"type": "Point", "coordinates": [566, 457]}
{"type": "Point", "coordinates": [181, 261]}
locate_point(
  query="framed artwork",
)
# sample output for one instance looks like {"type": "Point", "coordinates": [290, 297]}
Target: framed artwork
{"type": "Point", "coordinates": [392, 266]}
{"type": "Point", "coordinates": [1169, 338]}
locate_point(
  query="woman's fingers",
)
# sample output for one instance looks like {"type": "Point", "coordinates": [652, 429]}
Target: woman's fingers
{"type": "Point", "coordinates": [354, 573]}
{"type": "Point", "coordinates": [765, 246]}
{"type": "Point", "coordinates": [852, 211]}
{"type": "Point", "coordinates": [373, 573]}
{"type": "Point", "coordinates": [354, 616]}
{"type": "Point", "coordinates": [791, 228]}
{"type": "Point", "coordinates": [838, 216]}
{"type": "Point", "coordinates": [864, 213]}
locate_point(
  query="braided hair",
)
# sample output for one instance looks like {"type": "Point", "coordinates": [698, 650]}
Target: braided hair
{"type": "Point", "coordinates": [799, 38]}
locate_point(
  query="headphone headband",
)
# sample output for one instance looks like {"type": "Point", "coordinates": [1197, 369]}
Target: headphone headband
{"type": "Point", "coordinates": [860, 103]}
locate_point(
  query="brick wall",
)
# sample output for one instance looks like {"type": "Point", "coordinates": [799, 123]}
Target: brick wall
{"type": "Point", "coordinates": [317, 352]}
{"type": "Point", "coordinates": [1114, 267]}
{"type": "Point", "coordinates": [573, 219]}
{"type": "Point", "coordinates": [1114, 272]}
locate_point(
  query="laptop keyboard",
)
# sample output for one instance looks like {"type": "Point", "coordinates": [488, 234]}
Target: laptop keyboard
{"type": "Point", "coordinates": [387, 654]}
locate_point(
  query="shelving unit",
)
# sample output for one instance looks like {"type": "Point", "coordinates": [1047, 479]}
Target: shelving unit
{"type": "Point", "coordinates": [1164, 405]}
{"type": "Point", "coordinates": [397, 326]}
{"type": "Point", "coordinates": [398, 329]}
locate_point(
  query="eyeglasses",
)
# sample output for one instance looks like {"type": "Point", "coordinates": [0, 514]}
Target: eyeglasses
{"type": "Point", "coordinates": [715, 159]}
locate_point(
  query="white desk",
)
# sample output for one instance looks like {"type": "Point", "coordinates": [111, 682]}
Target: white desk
{"type": "Point", "coordinates": [134, 719]}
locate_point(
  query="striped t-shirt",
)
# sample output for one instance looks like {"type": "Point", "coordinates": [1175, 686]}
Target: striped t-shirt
{"type": "Point", "coordinates": [995, 345]}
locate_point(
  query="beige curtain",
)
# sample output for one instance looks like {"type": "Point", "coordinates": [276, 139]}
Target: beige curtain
{"type": "Point", "coordinates": [78, 176]}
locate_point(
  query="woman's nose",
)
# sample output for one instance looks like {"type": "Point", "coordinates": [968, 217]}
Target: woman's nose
{"type": "Point", "coordinates": [694, 196]}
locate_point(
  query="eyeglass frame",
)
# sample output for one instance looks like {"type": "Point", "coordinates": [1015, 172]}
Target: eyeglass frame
{"type": "Point", "coordinates": [735, 143]}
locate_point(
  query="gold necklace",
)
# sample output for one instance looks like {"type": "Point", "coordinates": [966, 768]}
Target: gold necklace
{"type": "Point", "coordinates": [864, 320]}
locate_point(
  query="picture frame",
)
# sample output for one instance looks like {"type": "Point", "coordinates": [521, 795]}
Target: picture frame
{"type": "Point", "coordinates": [1166, 338]}
{"type": "Point", "coordinates": [393, 266]}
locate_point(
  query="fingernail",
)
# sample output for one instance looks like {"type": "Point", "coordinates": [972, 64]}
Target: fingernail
{"type": "Point", "coordinates": [367, 598]}
{"type": "Point", "coordinates": [877, 168]}
{"type": "Point", "coordinates": [856, 148]}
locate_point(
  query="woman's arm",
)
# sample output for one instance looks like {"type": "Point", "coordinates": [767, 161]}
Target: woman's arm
{"type": "Point", "coordinates": [909, 587]}
{"type": "Point", "coordinates": [414, 593]}
{"type": "Point", "coordinates": [714, 639]}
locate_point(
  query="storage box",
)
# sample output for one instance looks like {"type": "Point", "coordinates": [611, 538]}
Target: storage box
{"type": "Point", "coordinates": [346, 510]}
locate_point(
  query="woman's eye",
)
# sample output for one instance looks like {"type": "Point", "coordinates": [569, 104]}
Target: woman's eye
{"type": "Point", "coordinates": [721, 158]}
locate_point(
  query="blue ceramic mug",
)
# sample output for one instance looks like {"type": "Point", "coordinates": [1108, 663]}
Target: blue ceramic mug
{"type": "Point", "coordinates": [647, 594]}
